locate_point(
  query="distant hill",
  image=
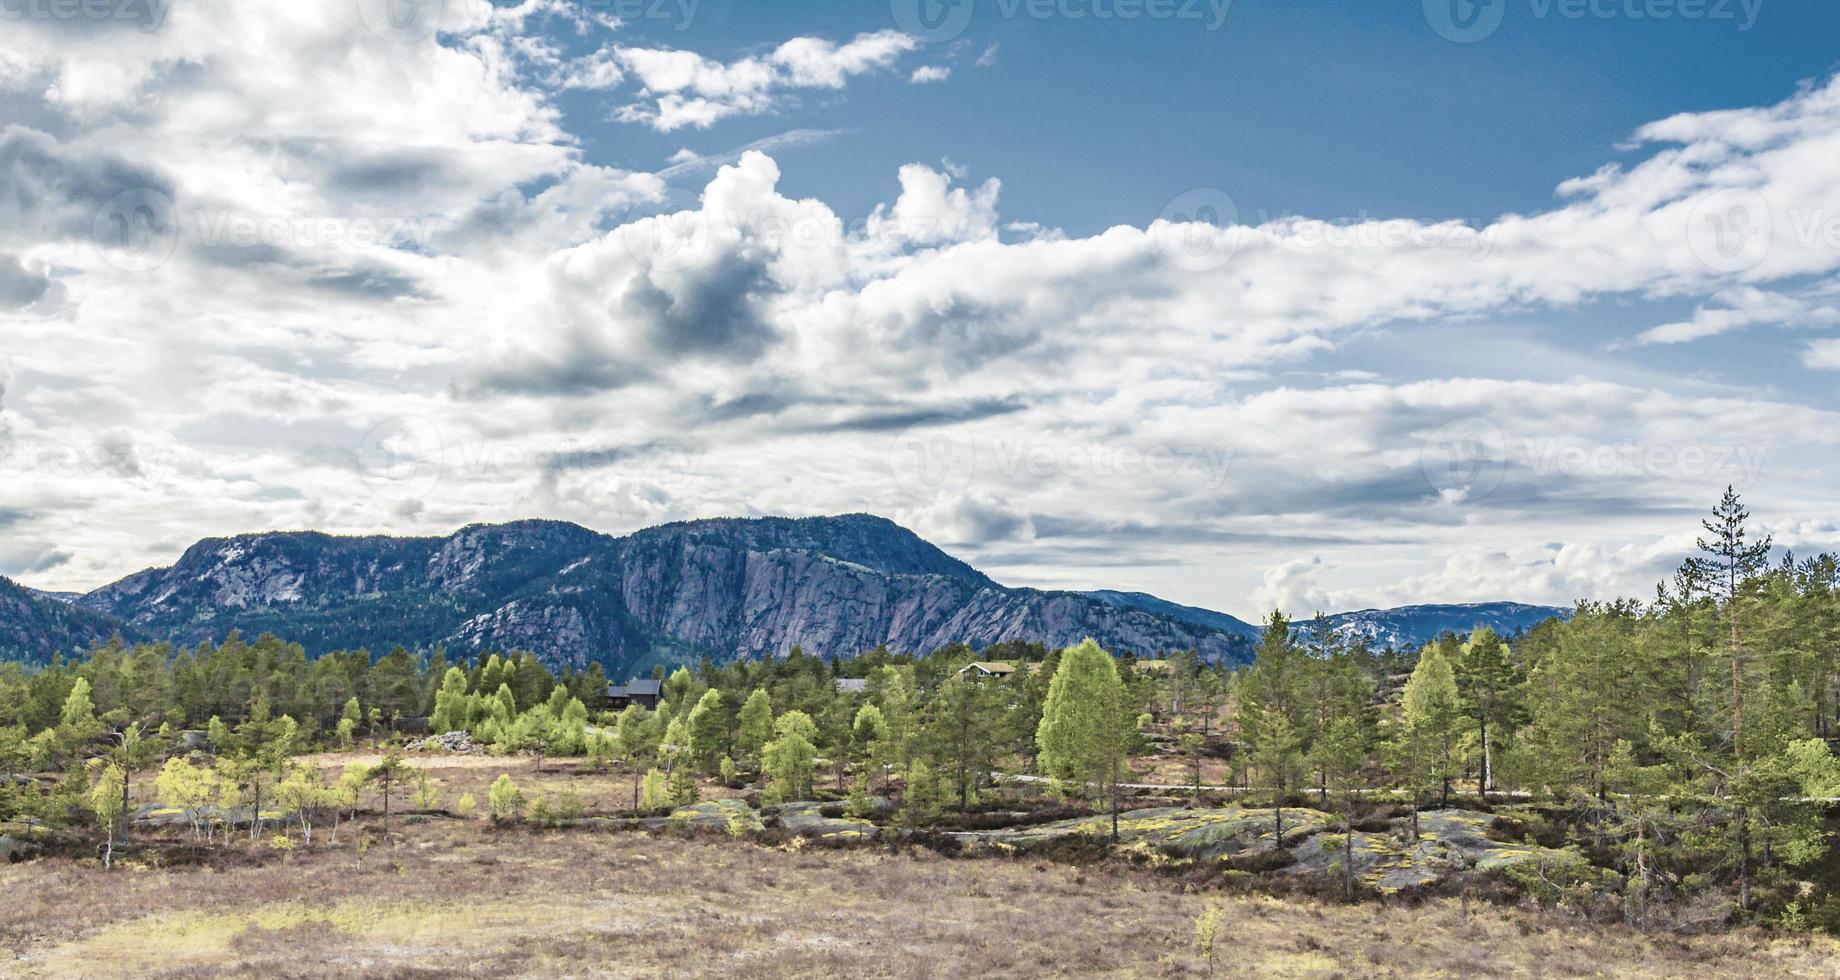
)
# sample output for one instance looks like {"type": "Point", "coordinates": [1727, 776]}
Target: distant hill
{"type": "Point", "coordinates": [35, 625]}
{"type": "Point", "coordinates": [728, 588]}
{"type": "Point", "coordinates": [1409, 627]}
{"type": "Point", "coordinates": [1402, 627]}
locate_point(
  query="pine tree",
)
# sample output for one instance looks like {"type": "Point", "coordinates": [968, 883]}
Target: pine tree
{"type": "Point", "coordinates": [1728, 563]}
{"type": "Point", "coordinates": [753, 726]}
{"type": "Point", "coordinates": [1489, 685]}
{"type": "Point", "coordinates": [869, 737]}
{"type": "Point", "coordinates": [707, 730]}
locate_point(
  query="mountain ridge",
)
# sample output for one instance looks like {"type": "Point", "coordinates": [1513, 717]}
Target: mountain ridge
{"type": "Point", "coordinates": [719, 587]}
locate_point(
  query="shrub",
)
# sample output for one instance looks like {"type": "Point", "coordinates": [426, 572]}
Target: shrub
{"type": "Point", "coordinates": [507, 802]}
{"type": "Point", "coordinates": [427, 797]}
{"type": "Point", "coordinates": [569, 805]}
{"type": "Point", "coordinates": [652, 795]}
{"type": "Point", "coordinates": [466, 804]}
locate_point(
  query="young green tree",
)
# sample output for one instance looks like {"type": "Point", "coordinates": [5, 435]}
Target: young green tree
{"type": "Point", "coordinates": [190, 788]}
{"type": "Point", "coordinates": [923, 795]}
{"type": "Point", "coordinates": [1271, 695]}
{"type": "Point", "coordinates": [754, 726]}
{"type": "Point", "coordinates": [106, 801]}
{"type": "Point", "coordinates": [1342, 755]}
{"type": "Point", "coordinates": [791, 758]}
{"type": "Point", "coordinates": [1085, 722]}
{"type": "Point", "coordinates": [1278, 754]}
{"type": "Point", "coordinates": [450, 703]}
{"type": "Point", "coordinates": [655, 794]}
{"type": "Point", "coordinates": [387, 775]}
{"type": "Point", "coordinates": [707, 731]}
{"type": "Point", "coordinates": [506, 800]}
{"type": "Point", "coordinates": [77, 725]}
{"type": "Point", "coordinates": [639, 739]}
{"type": "Point", "coordinates": [1490, 688]}
{"type": "Point", "coordinates": [966, 721]}
{"type": "Point", "coordinates": [1433, 712]}
{"type": "Point", "coordinates": [303, 793]}
{"type": "Point", "coordinates": [682, 787]}
{"type": "Point", "coordinates": [869, 738]}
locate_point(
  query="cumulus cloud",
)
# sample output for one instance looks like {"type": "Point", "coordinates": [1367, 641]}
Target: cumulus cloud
{"type": "Point", "coordinates": [295, 289]}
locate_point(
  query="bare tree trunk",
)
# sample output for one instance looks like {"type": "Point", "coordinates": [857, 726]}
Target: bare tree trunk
{"type": "Point", "coordinates": [1348, 847]}
{"type": "Point", "coordinates": [1482, 786]}
{"type": "Point", "coordinates": [1744, 858]}
{"type": "Point", "coordinates": [1115, 774]}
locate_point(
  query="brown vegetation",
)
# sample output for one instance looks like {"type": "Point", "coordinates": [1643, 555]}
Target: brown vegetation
{"type": "Point", "coordinates": [458, 897]}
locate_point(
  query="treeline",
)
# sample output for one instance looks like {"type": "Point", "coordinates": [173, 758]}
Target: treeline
{"type": "Point", "coordinates": [1681, 742]}
{"type": "Point", "coordinates": [1678, 746]}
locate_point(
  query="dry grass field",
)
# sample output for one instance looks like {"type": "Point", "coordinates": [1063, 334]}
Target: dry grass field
{"type": "Point", "coordinates": [457, 897]}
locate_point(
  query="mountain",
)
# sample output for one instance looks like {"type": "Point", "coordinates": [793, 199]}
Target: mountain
{"type": "Point", "coordinates": [722, 588]}
{"type": "Point", "coordinates": [1410, 627]}
{"type": "Point", "coordinates": [1193, 615]}
{"type": "Point", "coordinates": [1405, 627]}
{"type": "Point", "coordinates": [719, 588]}
{"type": "Point", "coordinates": [34, 625]}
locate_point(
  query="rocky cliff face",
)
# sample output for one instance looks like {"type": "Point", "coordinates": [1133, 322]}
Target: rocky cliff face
{"type": "Point", "coordinates": [722, 588]}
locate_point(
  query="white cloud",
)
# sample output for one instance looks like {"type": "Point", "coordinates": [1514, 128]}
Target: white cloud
{"type": "Point", "coordinates": [930, 73]}
{"type": "Point", "coordinates": [1741, 308]}
{"type": "Point", "coordinates": [596, 344]}
{"type": "Point", "coordinates": [1822, 355]}
{"type": "Point", "coordinates": [684, 89]}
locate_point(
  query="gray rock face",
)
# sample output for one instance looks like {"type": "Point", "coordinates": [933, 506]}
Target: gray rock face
{"type": "Point", "coordinates": [722, 588]}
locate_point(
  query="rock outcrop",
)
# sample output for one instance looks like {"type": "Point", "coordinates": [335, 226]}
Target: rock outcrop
{"type": "Point", "coordinates": [721, 588]}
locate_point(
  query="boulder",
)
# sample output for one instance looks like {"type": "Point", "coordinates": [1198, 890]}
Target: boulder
{"type": "Point", "coordinates": [808, 819]}
{"type": "Point", "coordinates": [1178, 832]}
{"type": "Point", "coordinates": [457, 742]}
{"type": "Point", "coordinates": [174, 817]}
{"type": "Point", "coordinates": [1450, 842]}
{"type": "Point", "coordinates": [731, 815]}
{"type": "Point", "coordinates": [12, 849]}
{"type": "Point", "coordinates": [187, 742]}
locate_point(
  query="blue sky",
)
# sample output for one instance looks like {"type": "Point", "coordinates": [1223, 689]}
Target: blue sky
{"type": "Point", "coordinates": [1315, 108]}
{"type": "Point", "coordinates": [1309, 306]}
